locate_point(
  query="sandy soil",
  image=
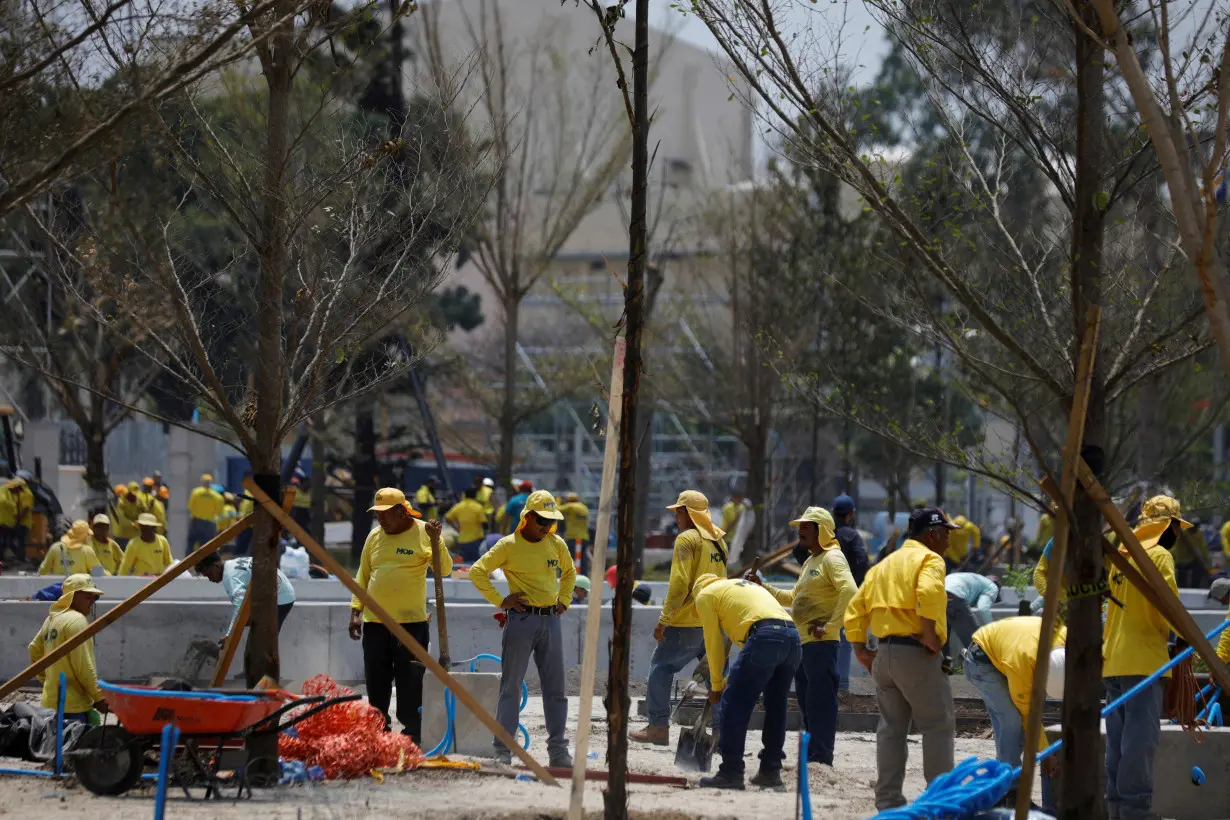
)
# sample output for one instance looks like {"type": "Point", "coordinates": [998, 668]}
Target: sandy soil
{"type": "Point", "coordinates": [843, 791]}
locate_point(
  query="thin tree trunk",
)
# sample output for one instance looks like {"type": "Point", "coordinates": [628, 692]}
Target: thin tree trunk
{"type": "Point", "coordinates": [1081, 794]}
{"type": "Point", "coordinates": [644, 467]}
{"type": "Point", "coordinates": [261, 653]}
{"type": "Point", "coordinates": [508, 410]}
{"type": "Point", "coordinates": [616, 796]}
{"type": "Point", "coordinates": [365, 475]}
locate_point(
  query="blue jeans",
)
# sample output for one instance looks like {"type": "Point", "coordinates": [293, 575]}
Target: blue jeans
{"type": "Point", "coordinates": [680, 646]}
{"type": "Point", "coordinates": [199, 532]}
{"type": "Point", "coordinates": [815, 685]}
{"type": "Point", "coordinates": [1006, 719]}
{"type": "Point", "coordinates": [526, 634]}
{"type": "Point", "coordinates": [470, 550]}
{"type": "Point", "coordinates": [765, 665]}
{"type": "Point", "coordinates": [845, 654]}
{"type": "Point", "coordinates": [1133, 732]}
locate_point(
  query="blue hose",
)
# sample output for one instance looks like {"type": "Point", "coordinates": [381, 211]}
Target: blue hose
{"type": "Point", "coordinates": [449, 741]}
{"type": "Point", "coordinates": [804, 785]}
{"type": "Point", "coordinates": [1207, 711]}
{"type": "Point", "coordinates": [975, 786]}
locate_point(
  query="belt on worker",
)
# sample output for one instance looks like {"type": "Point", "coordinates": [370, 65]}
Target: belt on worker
{"type": "Point", "coordinates": [769, 622]}
{"type": "Point", "coordinates": [903, 640]}
{"type": "Point", "coordinates": [976, 653]}
{"type": "Point", "coordinates": [540, 610]}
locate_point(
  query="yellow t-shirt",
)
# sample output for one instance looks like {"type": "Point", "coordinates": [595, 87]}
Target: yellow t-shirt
{"type": "Point", "coordinates": [81, 675]}
{"type": "Point", "coordinates": [146, 557]}
{"type": "Point", "coordinates": [109, 553]}
{"type": "Point", "coordinates": [1134, 641]}
{"type": "Point", "coordinates": [469, 517]}
{"type": "Point", "coordinates": [543, 571]}
{"type": "Point", "coordinates": [820, 596]}
{"type": "Point", "coordinates": [897, 592]}
{"type": "Point", "coordinates": [483, 496]}
{"type": "Point", "coordinates": [731, 607]}
{"type": "Point", "coordinates": [1011, 645]}
{"type": "Point", "coordinates": [694, 556]}
{"type": "Point", "coordinates": [69, 559]}
{"type": "Point", "coordinates": [393, 570]}
{"type": "Point", "coordinates": [1223, 645]}
{"type": "Point", "coordinates": [961, 541]}
{"type": "Point", "coordinates": [205, 503]}
{"type": "Point", "coordinates": [126, 513]}
{"type": "Point", "coordinates": [730, 515]}
{"type": "Point", "coordinates": [576, 521]}
{"type": "Point", "coordinates": [425, 501]}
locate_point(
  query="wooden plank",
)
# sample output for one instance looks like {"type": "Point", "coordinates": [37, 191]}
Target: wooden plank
{"type": "Point", "coordinates": [441, 623]}
{"type": "Point", "coordinates": [593, 614]}
{"type": "Point", "coordinates": [405, 638]}
{"type": "Point", "coordinates": [241, 620]}
{"type": "Point", "coordinates": [1180, 619]}
{"type": "Point", "coordinates": [126, 606]}
{"type": "Point", "coordinates": [1059, 551]}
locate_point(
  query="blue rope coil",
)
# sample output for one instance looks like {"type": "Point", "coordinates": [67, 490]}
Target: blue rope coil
{"type": "Point", "coordinates": [973, 786]}
{"type": "Point", "coordinates": [449, 741]}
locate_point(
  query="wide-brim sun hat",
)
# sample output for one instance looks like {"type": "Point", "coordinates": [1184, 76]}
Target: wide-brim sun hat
{"type": "Point", "coordinates": [71, 586]}
{"type": "Point", "coordinates": [1161, 508]}
{"type": "Point", "coordinates": [697, 506]}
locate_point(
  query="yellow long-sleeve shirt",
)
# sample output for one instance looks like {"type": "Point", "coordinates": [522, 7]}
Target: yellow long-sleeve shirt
{"type": "Point", "coordinates": [69, 559]}
{"type": "Point", "coordinates": [483, 496]}
{"type": "Point", "coordinates": [1223, 645]}
{"type": "Point", "coordinates": [543, 571]}
{"type": "Point", "coordinates": [1040, 572]}
{"type": "Point", "coordinates": [149, 503]}
{"type": "Point", "coordinates": [731, 607]}
{"type": "Point", "coordinates": [1225, 538]}
{"type": "Point", "coordinates": [393, 570]}
{"type": "Point", "coordinates": [109, 553]}
{"type": "Point", "coordinates": [897, 592]}
{"type": "Point", "coordinates": [576, 520]}
{"type": "Point", "coordinates": [694, 556]}
{"type": "Point", "coordinates": [821, 595]}
{"type": "Point", "coordinates": [425, 500]}
{"type": "Point", "coordinates": [1011, 645]}
{"type": "Point", "coordinates": [730, 515]}
{"type": "Point", "coordinates": [961, 541]}
{"type": "Point", "coordinates": [1045, 531]}
{"type": "Point", "coordinates": [228, 517]}
{"type": "Point", "coordinates": [206, 504]}
{"type": "Point", "coordinates": [469, 517]}
{"type": "Point", "coordinates": [125, 523]}
{"type": "Point", "coordinates": [1134, 640]}
{"type": "Point", "coordinates": [146, 557]}
{"type": "Point", "coordinates": [81, 675]}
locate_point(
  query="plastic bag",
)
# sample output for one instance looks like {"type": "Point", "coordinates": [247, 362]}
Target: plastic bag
{"type": "Point", "coordinates": [294, 562]}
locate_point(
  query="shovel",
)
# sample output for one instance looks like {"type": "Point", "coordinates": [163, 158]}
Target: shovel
{"type": "Point", "coordinates": [695, 750]}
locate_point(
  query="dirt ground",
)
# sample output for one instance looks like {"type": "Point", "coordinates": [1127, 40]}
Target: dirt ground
{"type": "Point", "coordinates": [843, 791]}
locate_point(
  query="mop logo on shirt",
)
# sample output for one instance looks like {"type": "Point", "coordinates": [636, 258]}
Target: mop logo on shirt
{"type": "Point", "coordinates": [552, 563]}
{"type": "Point", "coordinates": [405, 551]}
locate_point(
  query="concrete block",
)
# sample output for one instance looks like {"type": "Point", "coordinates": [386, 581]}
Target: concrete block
{"type": "Point", "coordinates": [1174, 793]}
{"type": "Point", "coordinates": [472, 737]}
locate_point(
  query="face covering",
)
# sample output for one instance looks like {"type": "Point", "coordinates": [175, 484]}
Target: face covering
{"type": "Point", "coordinates": [1169, 537]}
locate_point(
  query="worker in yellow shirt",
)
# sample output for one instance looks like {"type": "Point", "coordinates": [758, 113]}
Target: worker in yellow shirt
{"type": "Point", "coordinates": [147, 501]}
{"type": "Point", "coordinates": [1134, 645]}
{"type": "Point", "coordinates": [576, 528]}
{"type": "Point", "coordinates": [1220, 592]}
{"type": "Point", "coordinates": [902, 602]}
{"type": "Point", "coordinates": [127, 511]}
{"type": "Point", "coordinates": [962, 542]}
{"type": "Point", "coordinates": [148, 553]}
{"type": "Point", "coordinates": [68, 616]}
{"type": "Point", "coordinates": [818, 607]}
{"type": "Point", "coordinates": [541, 576]}
{"type": "Point", "coordinates": [1000, 663]}
{"type": "Point", "coordinates": [483, 490]}
{"type": "Point", "coordinates": [108, 551]}
{"type": "Point", "coordinates": [204, 508]}
{"type": "Point", "coordinates": [393, 570]}
{"type": "Point", "coordinates": [469, 517]}
{"type": "Point", "coordinates": [753, 620]}
{"type": "Point", "coordinates": [1046, 529]}
{"type": "Point", "coordinates": [731, 511]}
{"type": "Point", "coordinates": [230, 513]}
{"type": "Point", "coordinates": [16, 516]}
{"type": "Point", "coordinates": [699, 550]}
{"type": "Point", "coordinates": [71, 555]}
{"type": "Point", "coordinates": [425, 498]}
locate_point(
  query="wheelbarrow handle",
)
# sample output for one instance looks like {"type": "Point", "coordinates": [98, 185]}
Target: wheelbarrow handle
{"type": "Point", "coordinates": [321, 703]}
{"type": "Point", "coordinates": [270, 721]}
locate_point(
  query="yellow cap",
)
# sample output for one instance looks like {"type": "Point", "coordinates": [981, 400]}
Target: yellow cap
{"type": "Point", "coordinates": [102, 518]}
{"type": "Point", "coordinates": [206, 478]}
{"type": "Point", "coordinates": [71, 586]}
{"type": "Point", "coordinates": [147, 520]}
{"type": "Point", "coordinates": [698, 510]}
{"type": "Point", "coordinates": [1160, 508]}
{"type": "Point", "coordinates": [543, 504]}
{"type": "Point", "coordinates": [389, 497]}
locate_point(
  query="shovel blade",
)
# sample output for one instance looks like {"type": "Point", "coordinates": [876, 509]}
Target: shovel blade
{"type": "Point", "coordinates": [695, 751]}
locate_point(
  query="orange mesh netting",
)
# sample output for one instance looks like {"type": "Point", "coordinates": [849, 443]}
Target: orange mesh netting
{"type": "Point", "coordinates": [347, 740]}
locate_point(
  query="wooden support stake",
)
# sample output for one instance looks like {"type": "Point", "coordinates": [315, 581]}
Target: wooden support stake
{"type": "Point", "coordinates": [593, 614]}
{"type": "Point", "coordinates": [772, 559]}
{"type": "Point", "coordinates": [241, 620]}
{"type": "Point", "coordinates": [1180, 619]}
{"type": "Point", "coordinates": [437, 544]}
{"type": "Point", "coordinates": [126, 606]}
{"type": "Point", "coordinates": [1059, 553]}
{"type": "Point", "coordinates": [405, 638]}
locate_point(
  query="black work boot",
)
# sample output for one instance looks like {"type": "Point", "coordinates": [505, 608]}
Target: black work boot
{"type": "Point", "coordinates": [721, 780]}
{"type": "Point", "coordinates": [768, 778]}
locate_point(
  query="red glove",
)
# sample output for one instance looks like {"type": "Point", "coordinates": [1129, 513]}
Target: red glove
{"type": "Point", "coordinates": [501, 618]}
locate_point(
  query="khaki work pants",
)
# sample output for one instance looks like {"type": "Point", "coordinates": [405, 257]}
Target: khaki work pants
{"type": "Point", "coordinates": [910, 685]}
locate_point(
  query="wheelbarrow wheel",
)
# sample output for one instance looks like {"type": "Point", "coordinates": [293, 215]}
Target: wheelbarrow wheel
{"type": "Point", "coordinates": [108, 760]}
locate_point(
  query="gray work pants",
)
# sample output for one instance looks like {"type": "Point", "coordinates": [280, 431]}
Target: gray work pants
{"type": "Point", "coordinates": [910, 685]}
{"type": "Point", "coordinates": [537, 635]}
